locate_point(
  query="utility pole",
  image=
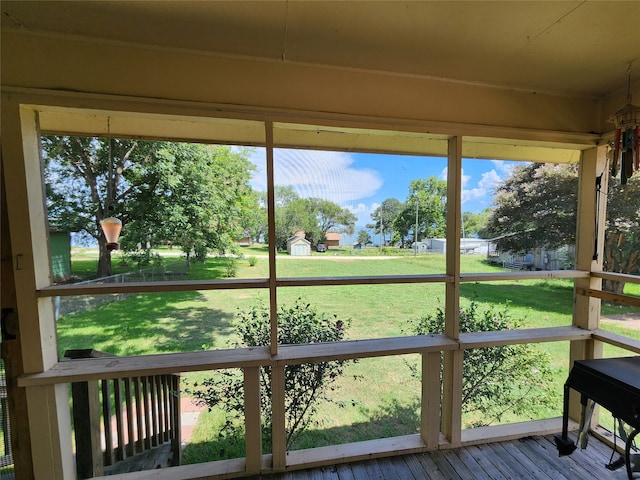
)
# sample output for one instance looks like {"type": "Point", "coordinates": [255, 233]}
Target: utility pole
{"type": "Point", "coordinates": [415, 243]}
{"type": "Point", "coordinates": [381, 230]}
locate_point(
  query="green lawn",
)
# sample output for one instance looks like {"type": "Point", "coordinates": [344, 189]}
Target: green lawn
{"type": "Point", "coordinates": [376, 397]}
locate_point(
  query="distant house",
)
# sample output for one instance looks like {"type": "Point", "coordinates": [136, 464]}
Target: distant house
{"type": "Point", "coordinates": [333, 240]}
{"type": "Point", "coordinates": [244, 241]}
{"type": "Point", "coordinates": [298, 246]}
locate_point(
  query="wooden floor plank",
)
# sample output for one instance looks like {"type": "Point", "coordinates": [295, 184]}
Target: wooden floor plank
{"type": "Point", "coordinates": [461, 467]}
{"type": "Point", "coordinates": [430, 467]}
{"type": "Point", "coordinates": [531, 458]}
{"type": "Point", "coordinates": [546, 464]}
{"type": "Point", "coordinates": [359, 470]}
{"type": "Point", "coordinates": [345, 472]}
{"type": "Point", "coordinates": [566, 465]}
{"type": "Point", "coordinates": [373, 470]}
{"type": "Point", "coordinates": [391, 468]}
{"type": "Point", "coordinates": [414, 466]}
{"type": "Point", "coordinates": [509, 462]}
{"type": "Point", "coordinates": [445, 467]}
{"type": "Point", "coordinates": [483, 457]}
{"type": "Point", "coordinates": [584, 464]}
{"type": "Point", "coordinates": [467, 459]}
{"type": "Point", "coordinates": [528, 465]}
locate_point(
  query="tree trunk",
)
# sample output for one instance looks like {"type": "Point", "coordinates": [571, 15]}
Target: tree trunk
{"type": "Point", "coordinates": [613, 286]}
{"type": "Point", "coordinates": [104, 259]}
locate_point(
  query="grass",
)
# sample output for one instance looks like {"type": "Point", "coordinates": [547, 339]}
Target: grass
{"type": "Point", "coordinates": [383, 401]}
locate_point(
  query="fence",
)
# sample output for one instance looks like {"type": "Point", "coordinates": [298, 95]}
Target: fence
{"type": "Point", "coordinates": [70, 304]}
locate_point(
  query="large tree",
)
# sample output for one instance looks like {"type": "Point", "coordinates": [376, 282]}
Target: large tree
{"type": "Point", "coordinates": [473, 223]}
{"type": "Point", "coordinates": [383, 217]}
{"type": "Point", "coordinates": [191, 195]}
{"type": "Point", "coordinates": [314, 216]}
{"type": "Point", "coordinates": [536, 207]}
{"type": "Point", "coordinates": [428, 198]}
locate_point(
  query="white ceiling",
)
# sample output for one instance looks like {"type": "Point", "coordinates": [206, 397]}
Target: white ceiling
{"type": "Point", "coordinates": [570, 47]}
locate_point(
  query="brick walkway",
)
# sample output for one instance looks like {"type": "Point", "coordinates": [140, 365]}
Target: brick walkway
{"type": "Point", "coordinates": [189, 417]}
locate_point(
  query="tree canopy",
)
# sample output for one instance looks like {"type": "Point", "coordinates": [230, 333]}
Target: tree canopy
{"type": "Point", "coordinates": [190, 194]}
{"type": "Point", "coordinates": [427, 197]}
{"type": "Point", "coordinates": [537, 207]}
{"type": "Point", "coordinates": [384, 216]}
{"type": "Point", "coordinates": [314, 216]}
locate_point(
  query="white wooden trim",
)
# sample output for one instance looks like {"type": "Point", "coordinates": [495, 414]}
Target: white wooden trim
{"type": "Point", "coordinates": [377, 280]}
{"type": "Point", "coordinates": [252, 420]}
{"type": "Point", "coordinates": [430, 407]}
{"type": "Point", "coordinates": [523, 275]}
{"type": "Point", "coordinates": [617, 340]}
{"type": "Point", "coordinates": [278, 419]}
{"type": "Point", "coordinates": [618, 298]}
{"type": "Point", "coordinates": [453, 360]}
{"type": "Point", "coordinates": [271, 233]}
{"type": "Point", "coordinates": [50, 432]}
{"type": "Point", "coordinates": [511, 431]}
{"type": "Point", "coordinates": [589, 255]}
{"type": "Point", "coordinates": [47, 406]}
{"type": "Point", "coordinates": [188, 285]}
{"type": "Point", "coordinates": [353, 452]}
{"type": "Point", "coordinates": [234, 468]}
{"type": "Point", "coordinates": [350, 452]}
{"type": "Point", "coordinates": [114, 104]}
{"type": "Point", "coordinates": [527, 335]}
{"type": "Point", "coordinates": [141, 365]}
{"type": "Point", "coordinates": [590, 225]}
{"type": "Point", "coordinates": [620, 277]}
{"type": "Point", "coordinates": [115, 367]}
{"type": "Point", "coordinates": [150, 287]}
{"type": "Point", "coordinates": [49, 384]}
{"type": "Point", "coordinates": [378, 347]}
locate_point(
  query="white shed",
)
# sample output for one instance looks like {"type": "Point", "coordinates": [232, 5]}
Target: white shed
{"type": "Point", "coordinates": [298, 246]}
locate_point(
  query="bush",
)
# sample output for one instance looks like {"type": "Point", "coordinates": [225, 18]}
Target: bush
{"type": "Point", "coordinates": [305, 384]}
{"type": "Point", "coordinates": [252, 261]}
{"type": "Point", "coordinates": [231, 267]}
{"type": "Point", "coordinates": [496, 380]}
{"type": "Point", "coordinates": [143, 258]}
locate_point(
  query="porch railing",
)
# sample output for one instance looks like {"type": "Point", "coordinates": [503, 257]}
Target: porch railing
{"type": "Point", "coordinates": [117, 420]}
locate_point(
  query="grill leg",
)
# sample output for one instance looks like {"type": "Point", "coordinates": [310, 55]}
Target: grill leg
{"type": "Point", "coordinates": [627, 453]}
{"type": "Point", "coordinates": [565, 446]}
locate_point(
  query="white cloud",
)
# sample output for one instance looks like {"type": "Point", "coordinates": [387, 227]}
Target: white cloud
{"type": "Point", "coordinates": [319, 174]}
{"type": "Point", "coordinates": [363, 212]}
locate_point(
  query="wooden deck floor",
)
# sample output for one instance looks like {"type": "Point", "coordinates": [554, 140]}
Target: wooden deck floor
{"type": "Point", "coordinates": [532, 458]}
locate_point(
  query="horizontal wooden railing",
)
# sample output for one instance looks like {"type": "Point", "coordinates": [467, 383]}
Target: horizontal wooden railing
{"type": "Point", "coordinates": [250, 360]}
{"type": "Point", "coordinates": [120, 418]}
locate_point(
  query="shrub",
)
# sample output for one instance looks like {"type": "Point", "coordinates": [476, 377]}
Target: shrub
{"type": "Point", "coordinates": [231, 267]}
{"type": "Point", "coordinates": [305, 384]}
{"type": "Point", "coordinates": [143, 258]}
{"type": "Point", "coordinates": [252, 261]}
{"type": "Point", "coordinates": [496, 380]}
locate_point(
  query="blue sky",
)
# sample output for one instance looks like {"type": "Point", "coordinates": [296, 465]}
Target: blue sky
{"type": "Point", "coordinates": [360, 181]}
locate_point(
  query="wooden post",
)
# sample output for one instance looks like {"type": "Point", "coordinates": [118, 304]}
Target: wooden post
{"type": "Point", "coordinates": [12, 351]}
{"type": "Point", "coordinates": [271, 224]}
{"type": "Point", "coordinates": [252, 420]}
{"type": "Point", "coordinates": [453, 360]}
{"type": "Point", "coordinates": [86, 423]}
{"type": "Point", "coordinates": [49, 421]}
{"type": "Point", "coordinates": [430, 411]}
{"type": "Point", "coordinates": [278, 427]}
{"type": "Point", "coordinates": [589, 256]}
{"type": "Point", "coordinates": [176, 433]}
